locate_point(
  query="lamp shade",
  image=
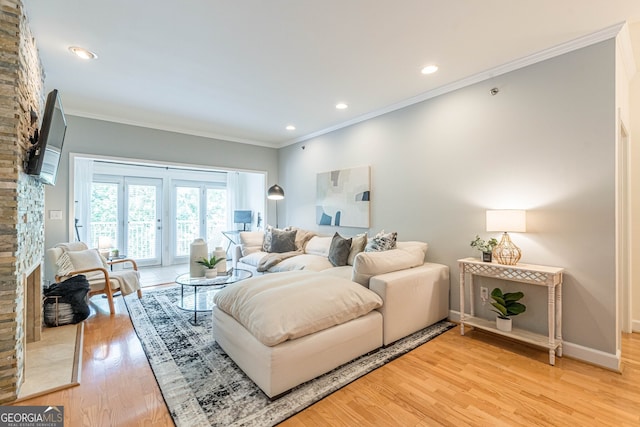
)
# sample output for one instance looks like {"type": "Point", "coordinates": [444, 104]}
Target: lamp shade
{"type": "Point", "coordinates": [275, 192]}
{"type": "Point", "coordinates": [507, 220]}
{"type": "Point", "coordinates": [104, 242]}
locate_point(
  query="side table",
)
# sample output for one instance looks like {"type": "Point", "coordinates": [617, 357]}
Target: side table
{"type": "Point", "coordinates": [191, 302]}
{"type": "Point", "coordinates": [540, 275]}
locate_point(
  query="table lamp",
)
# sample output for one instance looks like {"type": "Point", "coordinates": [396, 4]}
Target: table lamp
{"type": "Point", "coordinates": [105, 244]}
{"type": "Point", "coordinates": [507, 252]}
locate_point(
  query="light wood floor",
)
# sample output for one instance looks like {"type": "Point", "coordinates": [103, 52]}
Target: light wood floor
{"type": "Point", "coordinates": [475, 380]}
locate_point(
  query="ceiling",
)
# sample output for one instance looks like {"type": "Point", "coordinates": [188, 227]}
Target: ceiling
{"type": "Point", "coordinates": [242, 70]}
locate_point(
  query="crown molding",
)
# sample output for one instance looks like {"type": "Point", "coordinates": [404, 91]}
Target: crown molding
{"type": "Point", "coordinates": [155, 126]}
{"type": "Point", "coordinates": [552, 52]}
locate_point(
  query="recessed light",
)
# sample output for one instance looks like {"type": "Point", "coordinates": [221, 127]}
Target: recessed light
{"type": "Point", "coordinates": [291, 127]}
{"type": "Point", "coordinates": [82, 52]}
{"type": "Point", "coordinates": [430, 69]}
{"type": "Point", "coordinates": [341, 106]}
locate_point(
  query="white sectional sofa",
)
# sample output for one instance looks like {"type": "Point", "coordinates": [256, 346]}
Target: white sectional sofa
{"type": "Point", "coordinates": [274, 327]}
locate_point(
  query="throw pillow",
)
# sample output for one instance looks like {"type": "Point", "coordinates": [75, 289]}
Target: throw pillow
{"type": "Point", "coordinates": [302, 237]}
{"type": "Point", "coordinates": [266, 243]}
{"type": "Point", "coordinates": [339, 250]}
{"type": "Point", "coordinates": [251, 242]}
{"type": "Point", "coordinates": [382, 242]}
{"type": "Point", "coordinates": [357, 245]}
{"type": "Point", "coordinates": [283, 241]}
{"type": "Point", "coordinates": [80, 260]}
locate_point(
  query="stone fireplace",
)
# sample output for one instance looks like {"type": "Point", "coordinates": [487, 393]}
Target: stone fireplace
{"type": "Point", "coordinates": [21, 197]}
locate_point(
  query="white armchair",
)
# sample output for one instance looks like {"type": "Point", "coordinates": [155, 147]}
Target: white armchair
{"type": "Point", "coordinates": [69, 259]}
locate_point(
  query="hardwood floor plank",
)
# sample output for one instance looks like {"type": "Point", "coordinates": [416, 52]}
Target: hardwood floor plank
{"type": "Point", "coordinates": [472, 380]}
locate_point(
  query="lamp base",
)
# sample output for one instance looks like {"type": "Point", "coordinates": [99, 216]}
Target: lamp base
{"type": "Point", "coordinates": [506, 252]}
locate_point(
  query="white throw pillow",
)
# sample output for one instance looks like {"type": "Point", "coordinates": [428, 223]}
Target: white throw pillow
{"type": "Point", "coordinates": [81, 260]}
{"type": "Point", "coordinates": [358, 243]}
{"type": "Point", "coordinates": [319, 246]}
{"type": "Point", "coordinates": [251, 241]}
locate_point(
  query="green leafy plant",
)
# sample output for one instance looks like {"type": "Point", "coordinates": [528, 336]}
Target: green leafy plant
{"type": "Point", "coordinates": [482, 245]}
{"type": "Point", "coordinates": [211, 262]}
{"type": "Point", "coordinates": [507, 305]}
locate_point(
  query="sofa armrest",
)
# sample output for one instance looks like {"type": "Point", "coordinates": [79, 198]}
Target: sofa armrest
{"type": "Point", "coordinates": [413, 299]}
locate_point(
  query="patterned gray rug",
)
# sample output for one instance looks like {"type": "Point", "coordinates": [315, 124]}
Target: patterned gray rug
{"type": "Point", "coordinates": [202, 386]}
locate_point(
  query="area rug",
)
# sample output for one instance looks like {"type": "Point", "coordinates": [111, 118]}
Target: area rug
{"type": "Point", "coordinates": [202, 386]}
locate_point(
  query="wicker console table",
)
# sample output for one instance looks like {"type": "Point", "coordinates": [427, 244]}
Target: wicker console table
{"type": "Point", "coordinates": [540, 275]}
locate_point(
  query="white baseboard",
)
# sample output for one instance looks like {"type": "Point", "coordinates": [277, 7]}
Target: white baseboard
{"type": "Point", "coordinates": [593, 356]}
{"type": "Point", "coordinates": [576, 351]}
{"type": "Point", "coordinates": [635, 325]}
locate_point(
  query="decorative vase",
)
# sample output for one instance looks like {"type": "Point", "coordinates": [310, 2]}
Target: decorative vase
{"type": "Point", "coordinates": [222, 265]}
{"type": "Point", "coordinates": [197, 251]}
{"type": "Point", "coordinates": [503, 324]}
{"type": "Point", "coordinates": [486, 256]}
{"type": "Point", "coordinates": [210, 273]}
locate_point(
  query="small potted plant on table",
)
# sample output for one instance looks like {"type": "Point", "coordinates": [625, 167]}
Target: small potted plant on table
{"type": "Point", "coordinates": [506, 306]}
{"type": "Point", "coordinates": [210, 265]}
{"type": "Point", "coordinates": [486, 247]}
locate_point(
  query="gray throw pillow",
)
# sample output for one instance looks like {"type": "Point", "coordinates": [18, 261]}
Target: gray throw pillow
{"type": "Point", "coordinates": [339, 250]}
{"type": "Point", "coordinates": [283, 241]}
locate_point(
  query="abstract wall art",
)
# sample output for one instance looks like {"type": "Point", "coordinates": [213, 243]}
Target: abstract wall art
{"type": "Point", "coordinates": [342, 197]}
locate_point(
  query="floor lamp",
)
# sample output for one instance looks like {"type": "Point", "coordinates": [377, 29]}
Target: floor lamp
{"type": "Point", "coordinates": [275, 192]}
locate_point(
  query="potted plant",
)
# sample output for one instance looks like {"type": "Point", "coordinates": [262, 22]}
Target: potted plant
{"type": "Point", "coordinates": [486, 247]}
{"type": "Point", "coordinates": [506, 306]}
{"type": "Point", "coordinates": [210, 265]}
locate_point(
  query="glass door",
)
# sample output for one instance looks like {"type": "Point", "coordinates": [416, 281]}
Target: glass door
{"type": "Point", "coordinates": [200, 211]}
{"type": "Point", "coordinates": [143, 224]}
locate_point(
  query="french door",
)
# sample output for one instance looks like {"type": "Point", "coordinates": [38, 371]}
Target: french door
{"type": "Point", "coordinates": [143, 220]}
{"type": "Point", "coordinates": [127, 213]}
{"type": "Point", "coordinates": [200, 211]}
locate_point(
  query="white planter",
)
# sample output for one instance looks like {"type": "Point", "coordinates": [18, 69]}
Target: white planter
{"type": "Point", "coordinates": [210, 273]}
{"type": "Point", "coordinates": [503, 324]}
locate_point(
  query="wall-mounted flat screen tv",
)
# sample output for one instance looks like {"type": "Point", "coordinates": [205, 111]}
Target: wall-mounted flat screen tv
{"type": "Point", "coordinates": [45, 154]}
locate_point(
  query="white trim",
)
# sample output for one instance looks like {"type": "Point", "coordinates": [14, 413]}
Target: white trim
{"type": "Point", "coordinates": [576, 351]}
{"type": "Point", "coordinates": [543, 55]}
{"type": "Point", "coordinates": [157, 126]}
{"type": "Point", "coordinates": [593, 356]}
{"type": "Point", "coordinates": [624, 45]}
{"type": "Point", "coordinates": [635, 325]}
{"type": "Point", "coordinates": [584, 41]}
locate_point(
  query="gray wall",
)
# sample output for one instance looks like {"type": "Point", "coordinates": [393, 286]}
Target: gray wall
{"type": "Point", "coordinates": [89, 136]}
{"type": "Point", "coordinates": [545, 143]}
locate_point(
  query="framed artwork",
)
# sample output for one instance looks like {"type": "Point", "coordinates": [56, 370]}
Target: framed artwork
{"type": "Point", "coordinates": [342, 197]}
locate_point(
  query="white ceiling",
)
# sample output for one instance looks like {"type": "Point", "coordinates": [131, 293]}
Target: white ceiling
{"type": "Point", "coordinates": [242, 70]}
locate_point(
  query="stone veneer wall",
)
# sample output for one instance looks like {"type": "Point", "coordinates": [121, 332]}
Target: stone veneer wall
{"type": "Point", "coordinates": [21, 196]}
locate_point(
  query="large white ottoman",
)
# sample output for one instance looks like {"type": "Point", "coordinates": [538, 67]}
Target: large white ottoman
{"type": "Point", "coordinates": [283, 329]}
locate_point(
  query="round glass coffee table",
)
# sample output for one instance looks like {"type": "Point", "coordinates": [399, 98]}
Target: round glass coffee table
{"type": "Point", "coordinates": [203, 301]}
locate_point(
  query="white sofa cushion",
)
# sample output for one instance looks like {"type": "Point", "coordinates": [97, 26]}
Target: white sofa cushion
{"type": "Point", "coordinates": [280, 307]}
{"type": "Point", "coordinates": [405, 255]}
{"type": "Point", "coordinates": [251, 242]}
{"type": "Point", "coordinates": [253, 259]}
{"type": "Point", "coordinates": [319, 245]}
{"type": "Point", "coordinates": [306, 262]}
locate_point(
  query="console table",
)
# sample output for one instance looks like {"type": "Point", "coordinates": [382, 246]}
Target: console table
{"type": "Point", "coordinates": [540, 275]}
